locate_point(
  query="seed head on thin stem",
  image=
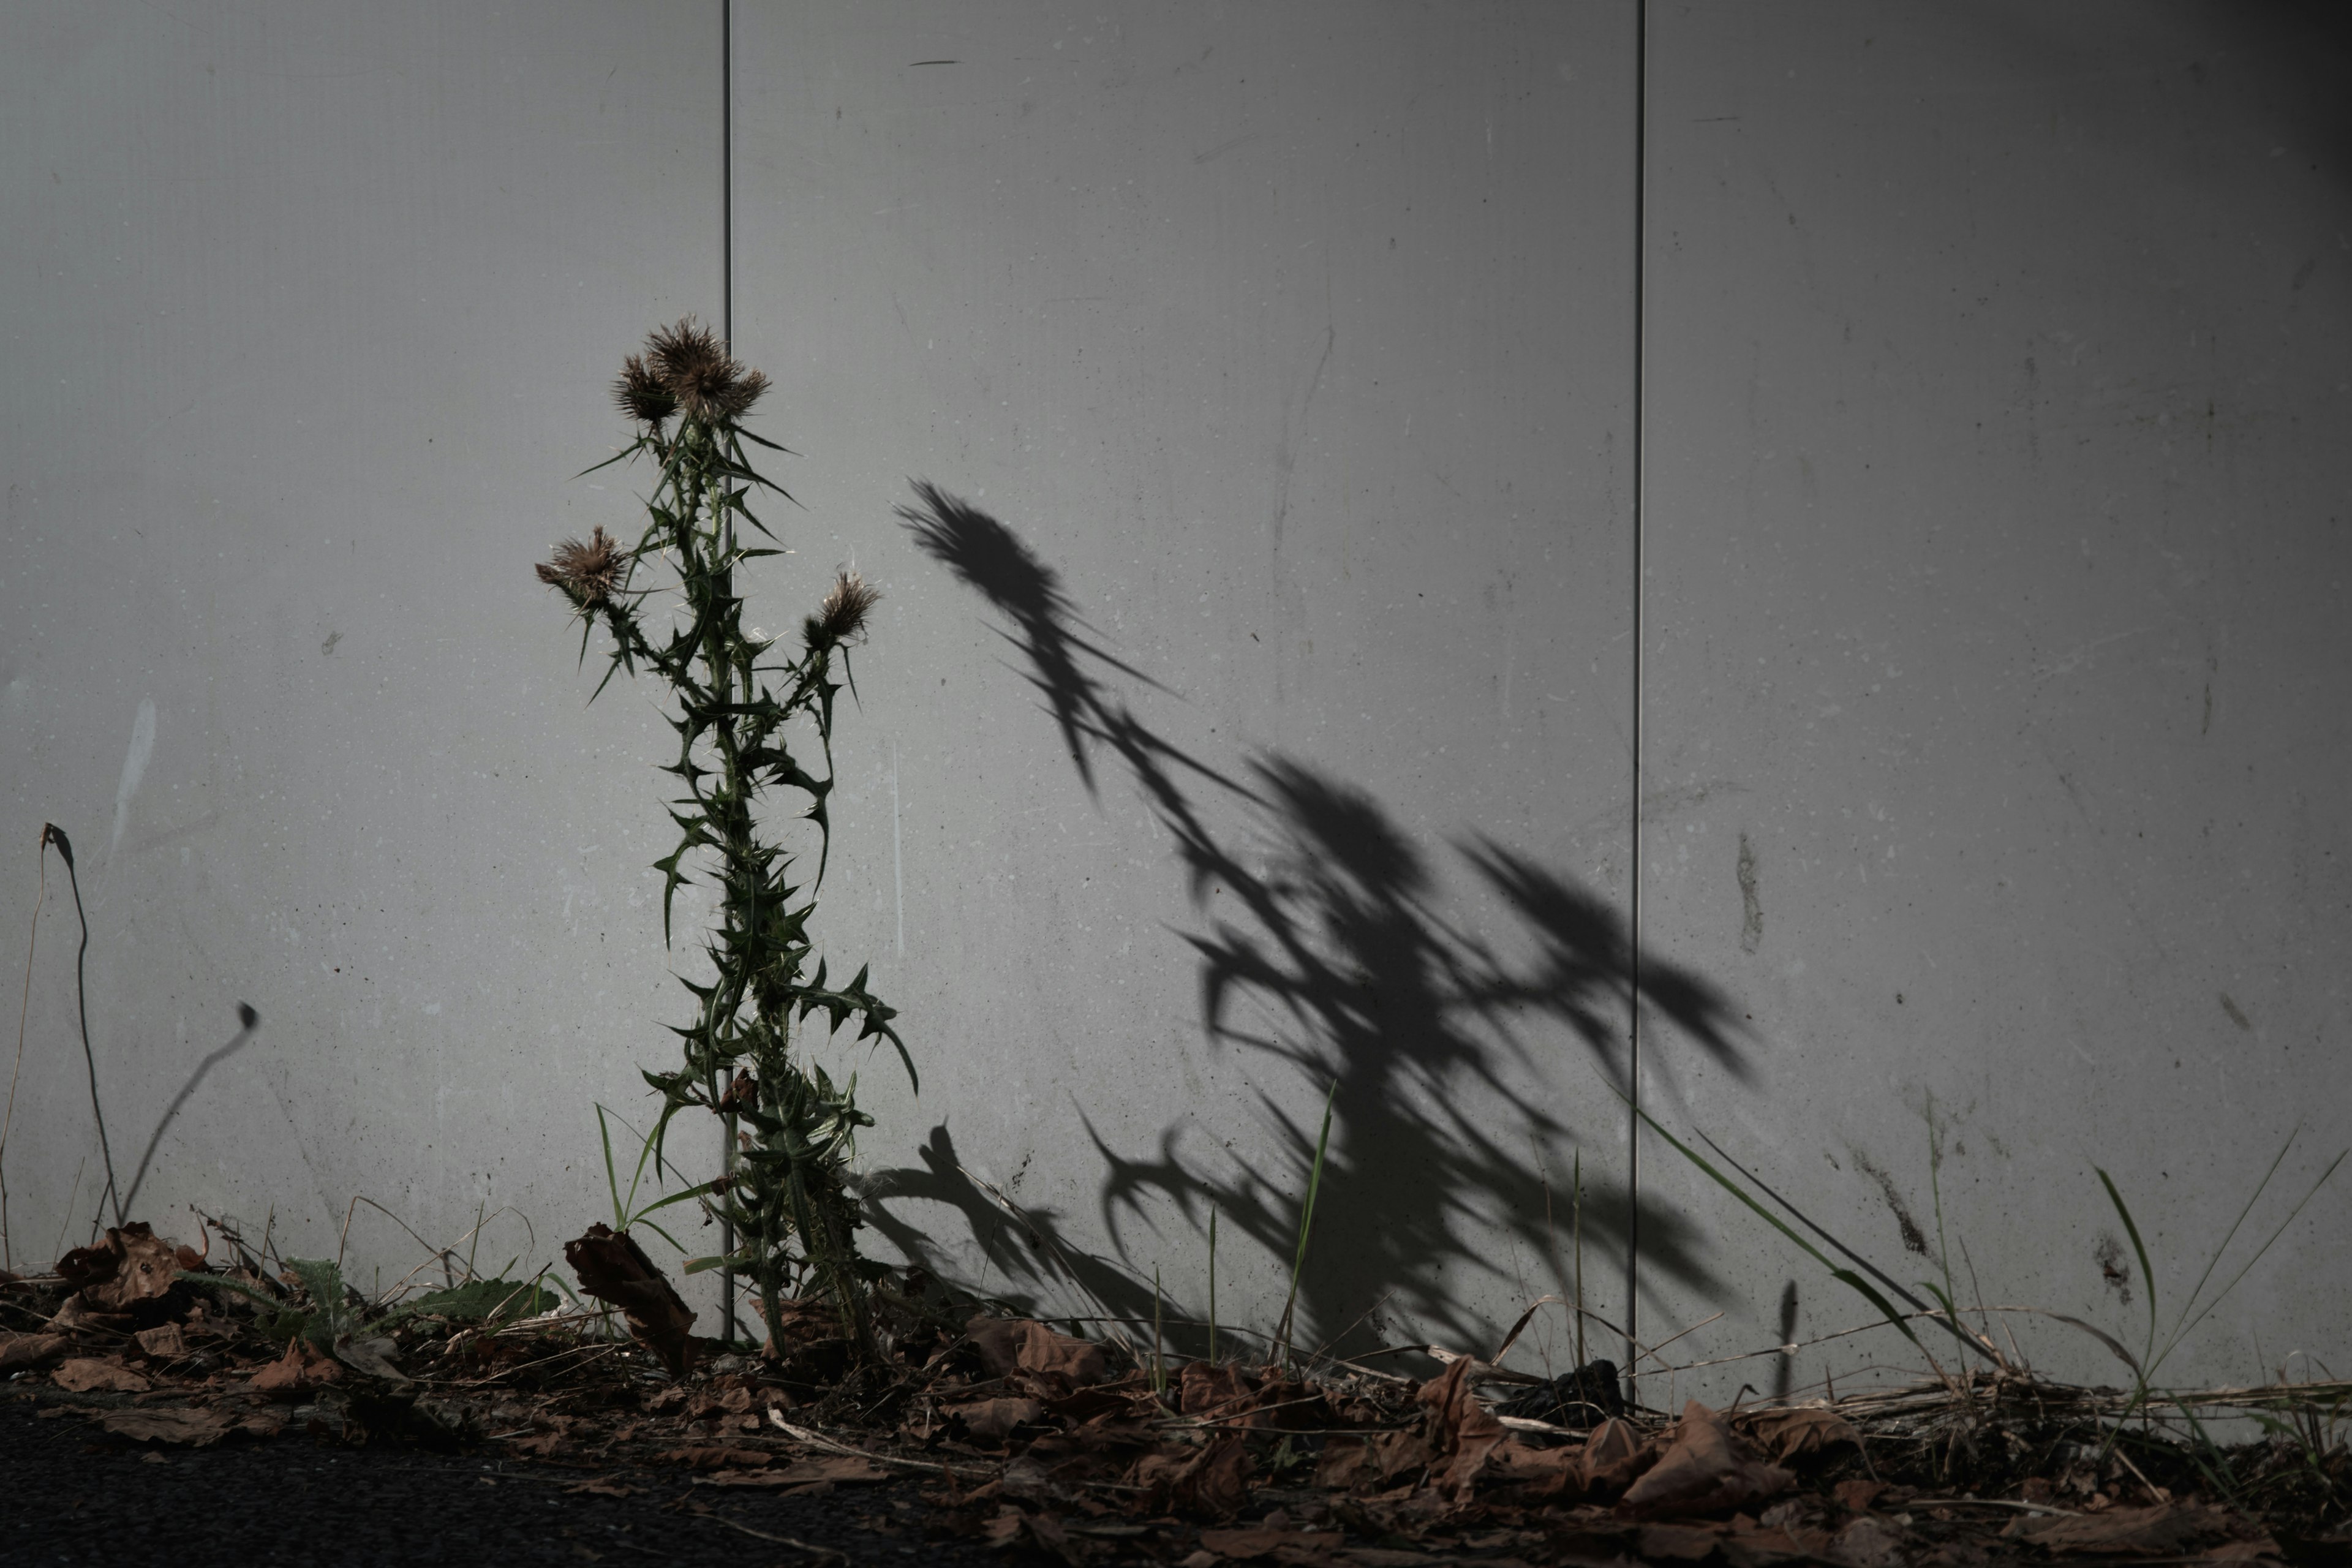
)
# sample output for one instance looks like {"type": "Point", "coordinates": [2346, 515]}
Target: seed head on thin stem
{"type": "Point", "coordinates": [841, 619]}
{"type": "Point", "coordinates": [708, 383]}
{"type": "Point", "coordinates": [585, 573]}
{"type": "Point", "coordinates": [641, 394]}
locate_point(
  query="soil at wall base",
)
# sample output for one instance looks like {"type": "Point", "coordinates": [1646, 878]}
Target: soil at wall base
{"type": "Point", "coordinates": [69, 1494]}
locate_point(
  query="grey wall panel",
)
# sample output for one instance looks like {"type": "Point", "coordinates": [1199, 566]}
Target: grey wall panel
{"type": "Point", "coordinates": [1294, 341]}
{"type": "Point", "coordinates": [1994, 665]}
{"type": "Point", "coordinates": [307, 310]}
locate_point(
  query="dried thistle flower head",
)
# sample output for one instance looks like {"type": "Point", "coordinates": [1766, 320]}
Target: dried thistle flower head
{"type": "Point", "coordinates": [641, 394]}
{"type": "Point", "coordinates": [841, 619]}
{"type": "Point", "coordinates": [708, 383]}
{"type": "Point", "coordinates": [587, 573]}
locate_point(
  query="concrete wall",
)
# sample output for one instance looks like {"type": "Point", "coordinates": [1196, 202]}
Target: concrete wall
{"type": "Point", "coordinates": [307, 312]}
{"type": "Point", "coordinates": [1999, 521]}
{"type": "Point", "coordinates": [1256, 708]}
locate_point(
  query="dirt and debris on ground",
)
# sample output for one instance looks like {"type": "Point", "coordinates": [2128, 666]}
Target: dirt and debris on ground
{"type": "Point", "coordinates": [149, 1383]}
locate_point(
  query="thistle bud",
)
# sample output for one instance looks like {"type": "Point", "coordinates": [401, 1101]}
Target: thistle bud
{"type": "Point", "coordinates": [641, 394]}
{"type": "Point", "coordinates": [710, 384]}
{"type": "Point", "coordinates": [586, 574]}
{"type": "Point", "coordinates": [841, 619]}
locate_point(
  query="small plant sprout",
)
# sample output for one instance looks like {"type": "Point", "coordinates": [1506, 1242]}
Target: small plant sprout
{"type": "Point", "coordinates": [741, 703]}
{"type": "Point", "coordinates": [1305, 1222]}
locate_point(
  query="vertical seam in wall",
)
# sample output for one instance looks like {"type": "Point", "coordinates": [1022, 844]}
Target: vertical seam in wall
{"type": "Point", "coordinates": [727, 334]}
{"type": "Point", "coordinates": [727, 171]}
{"type": "Point", "coordinates": [1641, 475]}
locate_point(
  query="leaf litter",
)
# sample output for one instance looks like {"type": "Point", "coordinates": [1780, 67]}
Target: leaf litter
{"type": "Point", "coordinates": [1053, 1447]}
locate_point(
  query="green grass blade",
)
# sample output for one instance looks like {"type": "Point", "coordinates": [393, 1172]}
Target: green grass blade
{"type": "Point", "coordinates": [1846, 1276]}
{"type": "Point", "coordinates": [660, 1204]}
{"type": "Point", "coordinates": [2265, 1247]}
{"type": "Point", "coordinates": [1307, 1217]}
{"type": "Point", "coordinates": [1212, 1284]}
{"type": "Point", "coordinates": [675, 1244]}
{"type": "Point", "coordinates": [612, 1179]}
{"type": "Point", "coordinates": [2189, 1305]}
{"type": "Point", "coordinates": [2147, 1271]}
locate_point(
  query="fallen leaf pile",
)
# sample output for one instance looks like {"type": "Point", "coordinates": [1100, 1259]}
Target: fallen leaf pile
{"type": "Point", "coordinates": [1016, 1435]}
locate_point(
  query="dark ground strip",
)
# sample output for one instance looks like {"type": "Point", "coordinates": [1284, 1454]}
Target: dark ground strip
{"type": "Point", "coordinates": [70, 1494]}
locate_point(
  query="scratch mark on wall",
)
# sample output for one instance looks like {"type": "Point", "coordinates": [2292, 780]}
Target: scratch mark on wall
{"type": "Point", "coordinates": [1294, 431]}
{"type": "Point", "coordinates": [1666, 803]}
{"type": "Point", "coordinates": [2236, 1016]}
{"type": "Point", "coordinates": [134, 768]}
{"type": "Point", "coordinates": [1751, 901]}
{"type": "Point", "coordinates": [1288, 598]}
{"type": "Point", "coordinates": [898, 859]}
{"type": "Point", "coordinates": [2067, 663]}
{"type": "Point", "coordinates": [1913, 1238]}
{"type": "Point", "coordinates": [2109, 1256]}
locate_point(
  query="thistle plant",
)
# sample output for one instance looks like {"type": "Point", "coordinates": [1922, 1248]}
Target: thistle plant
{"type": "Point", "coordinates": [741, 700]}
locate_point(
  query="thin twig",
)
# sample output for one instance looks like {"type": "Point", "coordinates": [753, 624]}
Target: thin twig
{"type": "Point", "coordinates": [52, 834]}
{"type": "Point", "coordinates": [819, 1440]}
{"type": "Point", "coordinates": [717, 1518]}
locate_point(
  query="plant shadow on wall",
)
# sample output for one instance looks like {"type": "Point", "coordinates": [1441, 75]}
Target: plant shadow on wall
{"type": "Point", "coordinates": [1336, 960]}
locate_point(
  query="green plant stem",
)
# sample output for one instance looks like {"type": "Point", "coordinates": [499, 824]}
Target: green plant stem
{"type": "Point", "coordinates": [784, 1202]}
{"type": "Point", "coordinates": [81, 1002]}
{"type": "Point", "coordinates": [1576, 1223]}
{"type": "Point", "coordinates": [1307, 1222]}
{"type": "Point", "coordinates": [1212, 1284]}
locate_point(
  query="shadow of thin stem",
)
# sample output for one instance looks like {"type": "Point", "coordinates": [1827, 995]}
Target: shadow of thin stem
{"type": "Point", "coordinates": [247, 1020]}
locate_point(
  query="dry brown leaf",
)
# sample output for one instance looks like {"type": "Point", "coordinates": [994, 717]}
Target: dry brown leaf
{"type": "Point", "coordinates": [1345, 1464]}
{"type": "Point", "coordinates": [191, 1428]}
{"type": "Point", "coordinates": [1744, 1548]}
{"type": "Point", "coordinates": [1211, 1481]}
{"type": "Point", "coordinates": [371, 1356]}
{"type": "Point", "coordinates": [131, 1264]}
{"type": "Point", "coordinates": [1008, 1345]}
{"type": "Point", "coordinates": [1205, 1388]}
{"type": "Point", "coordinates": [603, 1486]}
{"type": "Point", "coordinates": [613, 1268]}
{"type": "Point", "coordinates": [998, 1340]}
{"type": "Point", "coordinates": [824, 1471]}
{"type": "Point", "coordinates": [1460, 1430]}
{"type": "Point", "coordinates": [1679, 1542]}
{"type": "Point", "coordinates": [1858, 1494]}
{"type": "Point", "coordinates": [1798, 1433]}
{"type": "Point", "coordinates": [992, 1420]}
{"type": "Point", "coordinates": [1537, 1473]}
{"type": "Point", "coordinates": [841, 1469]}
{"type": "Point", "coordinates": [18, 1352]}
{"type": "Point", "coordinates": [2162, 1530]}
{"type": "Point", "coordinates": [1613, 1456]}
{"type": "Point", "coordinates": [1869, 1542]}
{"type": "Point", "coordinates": [298, 1370]}
{"type": "Point", "coordinates": [710, 1457]}
{"type": "Point", "coordinates": [1704, 1469]}
{"type": "Point", "coordinates": [1256, 1540]}
{"type": "Point", "coordinates": [163, 1343]}
{"type": "Point", "coordinates": [85, 1374]}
